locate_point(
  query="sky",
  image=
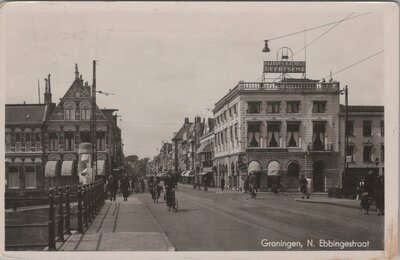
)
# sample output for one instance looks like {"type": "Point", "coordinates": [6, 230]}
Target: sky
{"type": "Point", "coordinates": [167, 61]}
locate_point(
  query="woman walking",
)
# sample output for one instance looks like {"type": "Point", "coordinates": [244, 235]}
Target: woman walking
{"type": "Point", "coordinates": [125, 186]}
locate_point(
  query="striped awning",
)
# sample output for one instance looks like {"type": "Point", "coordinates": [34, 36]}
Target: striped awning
{"type": "Point", "coordinates": [254, 166]}
{"type": "Point", "coordinates": [67, 167]}
{"type": "Point", "coordinates": [50, 170]}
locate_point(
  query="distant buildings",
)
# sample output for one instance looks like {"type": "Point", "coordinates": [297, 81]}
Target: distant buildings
{"type": "Point", "coordinates": [43, 140]}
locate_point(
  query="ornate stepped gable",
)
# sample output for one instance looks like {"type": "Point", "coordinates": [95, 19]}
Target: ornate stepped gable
{"type": "Point", "coordinates": [77, 96]}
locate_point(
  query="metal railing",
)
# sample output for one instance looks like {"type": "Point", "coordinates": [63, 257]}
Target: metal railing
{"type": "Point", "coordinates": [90, 200]}
{"type": "Point", "coordinates": [323, 86]}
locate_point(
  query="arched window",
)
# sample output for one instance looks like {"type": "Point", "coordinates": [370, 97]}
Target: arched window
{"type": "Point", "coordinates": [69, 110]}
{"type": "Point", "coordinates": [84, 107]}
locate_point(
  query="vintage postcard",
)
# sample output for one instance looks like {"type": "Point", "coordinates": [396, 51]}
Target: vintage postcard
{"type": "Point", "coordinates": [192, 130]}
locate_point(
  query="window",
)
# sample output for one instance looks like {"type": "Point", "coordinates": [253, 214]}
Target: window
{"type": "Point", "coordinates": [69, 141]}
{"type": "Point", "coordinates": [382, 128]}
{"type": "Point", "coordinates": [293, 134]}
{"type": "Point", "coordinates": [17, 137]}
{"type": "Point", "coordinates": [236, 132]}
{"type": "Point", "coordinates": [234, 109]}
{"type": "Point", "coordinates": [85, 137]}
{"type": "Point", "coordinates": [85, 114]}
{"type": "Point", "coordinates": [30, 177]}
{"type": "Point", "coordinates": [367, 128]}
{"type": "Point", "coordinates": [230, 112]}
{"type": "Point", "coordinates": [27, 137]}
{"type": "Point", "coordinates": [292, 106]}
{"type": "Point", "coordinates": [222, 137]}
{"type": "Point", "coordinates": [273, 134]}
{"type": "Point", "coordinates": [69, 114]}
{"type": "Point", "coordinates": [350, 128]}
{"type": "Point", "coordinates": [226, 135]}
{"type": "Point", "coordinates": [382, 153]}
{"type": "Point", "coordinates": [13, 177]}
{"type": "Point", "coordinates": [101, 141]}
{"type": "Point", "coordinates": [254, 107]}
{"type": "Point", "coordinates": [319, 107]}
{"type": "Point", "coordinates": [8, 138]}
{"type": "Point", "coordinates": [231, 132]}
{"type": "Point", "coordinates": [367, 153]}
{"type": "Point", "coordinates": [319, 136]}
{"type": "Point", "coordinates": [253, 135]}
{"type": "Point", "coordinates": [273, 107]}
{"type": "Point", "coordinates": [350, 152]}
{"type": "Point", "coordinates": [53, 142]}
{"type": "Point", "coordinates": [36, 137]}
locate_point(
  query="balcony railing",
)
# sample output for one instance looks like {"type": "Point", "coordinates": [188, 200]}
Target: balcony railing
{"type": "Point", "coordinates": [318, 86]}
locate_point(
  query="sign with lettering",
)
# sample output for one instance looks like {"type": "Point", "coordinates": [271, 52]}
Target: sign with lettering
{"type": "Point", "coordinates": [284, 66]}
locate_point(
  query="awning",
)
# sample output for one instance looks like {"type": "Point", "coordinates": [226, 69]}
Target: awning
{"type": "Point", "coordinates": [101, 167]}
{"type": "Point", "coordinates": [85, 157]}
{"type": "Point", "coordinates": [183, 173]}
{"type": "Point", "coordinates": [273, 169]}
{"type": "Point", "coordinates": [254, 166]}
{"type": "Point", "coordinates": [66, 169]}
{"type": "Point", "coordinates": [50, 170]}
{"type": "Point", "coordinates": [8, 160]}
{"type": "Point", "coordinates": [202, 173]}
{"type": "Point", "coordinates": [189, 174]}
{"type": "Point", "coordinates": [204, 148]}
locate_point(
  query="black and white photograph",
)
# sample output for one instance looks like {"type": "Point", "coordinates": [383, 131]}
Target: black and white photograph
{"type": "Point", "coordinates": [192, 130]}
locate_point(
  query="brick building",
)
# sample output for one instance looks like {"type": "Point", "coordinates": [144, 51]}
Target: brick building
{"type": "Point", "coordinates": [281, 129]}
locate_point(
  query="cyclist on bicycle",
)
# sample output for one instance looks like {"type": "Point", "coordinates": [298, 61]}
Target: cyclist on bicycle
{"type": "Point", "coordinates": [170, 184]}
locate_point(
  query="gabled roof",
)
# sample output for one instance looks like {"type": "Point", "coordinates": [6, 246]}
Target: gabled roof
{"type": "Point", "coordinates": [183, 129]}
{"type": "Point", "coordinates": [77, 86]}
{"type": "Point", "coordinates": [25, 113]}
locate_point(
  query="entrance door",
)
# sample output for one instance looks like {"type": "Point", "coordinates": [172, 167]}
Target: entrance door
{"type": "Point", "coordinates": [318, 176]}
{"type": "Point", "coordinates": [293, 175]}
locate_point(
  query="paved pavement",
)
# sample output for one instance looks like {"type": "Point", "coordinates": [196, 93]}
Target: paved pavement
{"type": "Point", "coordinates": [121, 226]}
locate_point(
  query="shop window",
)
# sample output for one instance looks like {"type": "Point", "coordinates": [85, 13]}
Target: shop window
{"type": "Point", "coordinates": [85, 114]}
{"type": "Point", "coordinates": [30, 177]}
{"type": "Point", "coordinates": [13, 177]}
{"type": "Point", "coordinates": [53, 142]}
{"type": "Point", "coordinates": [273, 107]}
{"type": "Point", "coordinates": [382, 128]}
{"type": "Point", "coordinates": [253, 135]}
{"type": "Point", "coordinates": [367, 128]}
{"type": "Point", "coordinates": [350, 128]}
{"type": "Point", "coordinates": [273, 134]}
{"type": "Point", "coordinates": [293, 134]}
{"type": "Point", "coordinates": [69, 114]}
{"type": "Point", "coordinates": [319, 106]}
{"type": "Point", "coordinates": [69, 143]}
{"type": "Point", "coordinates": [292, 106]}
{"type": "Point", "coordinates": [254, 107]}
{"type": "Point", "coordinates": [319, 136]}
{"type": "Point", "coordinates": [367, 153]}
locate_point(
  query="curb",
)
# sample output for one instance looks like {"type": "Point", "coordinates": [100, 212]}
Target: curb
{"type": "Point", "coordinates": [330, 203]}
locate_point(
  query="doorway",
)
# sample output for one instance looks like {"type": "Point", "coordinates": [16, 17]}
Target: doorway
{"type": "Point", "coordinates": [293, 175]}
{"type": "Point", "coordinates": [318, 176]}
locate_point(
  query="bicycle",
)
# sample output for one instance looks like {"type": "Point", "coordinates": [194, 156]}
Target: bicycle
{"type": "Point", "coordinates": [172, 203]}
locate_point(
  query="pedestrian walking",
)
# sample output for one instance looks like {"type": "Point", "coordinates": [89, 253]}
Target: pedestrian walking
{"type": "Point", "coordinates": [253, 185]}
{"type": "Point", "coordinates": [303, 186]}
{"type": "Point", "coordinates": [365, 202]}
{"type": "Point", "coordinates": [125, 186]}
{"type": "Point", "coordinates": [222, 184]}
{"type": "Point", "coordinates": [246, 184]}
{"type": "Point", "coordinates": [379, 195]}
{"type": "Point", "coordinates": [369, 184]}
{"type": "Point", "coordinates": [112, 186]}
{"type": "Point", "coordinates": [360, 187]}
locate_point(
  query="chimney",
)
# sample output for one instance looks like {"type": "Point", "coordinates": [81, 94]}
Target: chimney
{"type": "Point", "coordinates": [197, 120]}
{"type": "Point", "coordinates": [186, 120]}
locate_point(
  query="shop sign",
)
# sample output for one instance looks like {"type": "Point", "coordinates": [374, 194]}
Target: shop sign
{"type": "Point", "coordinates": [284, 66]}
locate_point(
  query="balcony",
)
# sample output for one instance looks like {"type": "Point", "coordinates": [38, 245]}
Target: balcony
{"type": "Point", "coordinates": [327, 147]}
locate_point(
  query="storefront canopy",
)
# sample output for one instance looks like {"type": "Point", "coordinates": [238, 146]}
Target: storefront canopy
{"type": "Point", "coordinates": [254, 167]}
{"type": "Point", "coordinates": [50, 170]}
{"type": "Point", "coordinates": [183, 173]}
{"type": "Point", "coordinates": [66, 169]}
{"type": "Point", "coordinates": [189, 174]}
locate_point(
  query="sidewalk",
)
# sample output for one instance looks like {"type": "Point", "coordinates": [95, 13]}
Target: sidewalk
{"type": "Point", "coordinates": [121, 226]}
{"type": "Point", "coordinates": [349, 203]}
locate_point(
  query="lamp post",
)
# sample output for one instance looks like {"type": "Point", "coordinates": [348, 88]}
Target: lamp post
{"type": "Point", "coordinates": [346, 139]}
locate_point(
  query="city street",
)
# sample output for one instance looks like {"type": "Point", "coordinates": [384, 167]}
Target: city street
{"type": "Point", "coordinates": [232, 221]}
